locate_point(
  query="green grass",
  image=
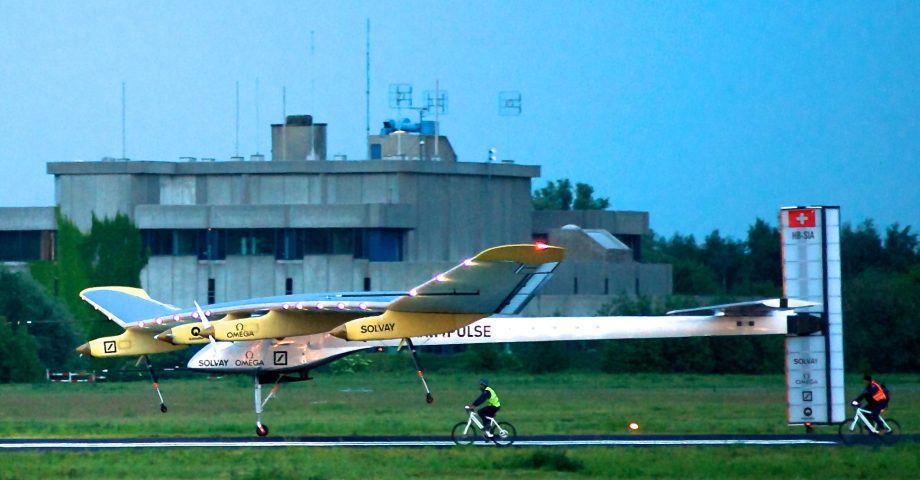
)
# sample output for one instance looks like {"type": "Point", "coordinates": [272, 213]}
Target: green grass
{"type": "Point", "coordinates": [371, 403]}
{"type": "Point", "coordinates": [375, 403]}
{"type": "Point", "coordinates": [900, 461]}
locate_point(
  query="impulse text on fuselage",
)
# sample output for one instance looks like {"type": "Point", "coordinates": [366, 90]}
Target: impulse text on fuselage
{"type": "Point", "coordinates": [471, 331]}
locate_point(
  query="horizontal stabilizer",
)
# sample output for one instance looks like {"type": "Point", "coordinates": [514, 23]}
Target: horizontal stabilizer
{"type": "Point", "coordinates": [125, 305]}
{"type": "Point", "coordinates": [746, 309]}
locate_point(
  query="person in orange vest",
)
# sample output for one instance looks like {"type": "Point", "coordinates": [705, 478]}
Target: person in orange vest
{"type": "Point", "coordinates": [876, 400]}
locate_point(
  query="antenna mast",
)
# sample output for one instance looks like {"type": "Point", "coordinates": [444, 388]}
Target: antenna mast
{"type": "Point", "coordinates": [123, 124]}
{"type": "Point", "coordinates": [237, 119]}
{"type": "Point", "coordinates": [367, 88]}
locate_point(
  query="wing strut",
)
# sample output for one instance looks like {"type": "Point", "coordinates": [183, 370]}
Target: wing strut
{"type": "Point", "coordinates": [156, 383]}
{"type": "Point", "coordinates": [418, 368]}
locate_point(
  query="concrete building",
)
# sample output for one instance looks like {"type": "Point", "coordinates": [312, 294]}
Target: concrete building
{"type": "Point", "coordinates": [223, 230]}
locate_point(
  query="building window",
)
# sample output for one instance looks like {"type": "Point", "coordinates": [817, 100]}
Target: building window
{"type": "Point", "coordinates": [211, 244]}
{"type": "Point", "coordinates": [374, 244]}
{"type": "Point", "coordinates": [634, 242]}
{"type": "Point", "coordinates": [384, 244]}
{"type": "Point", "coordinates": [289, 286]}
{"type": "Point", "coordinates": [212, 291]}
{"type": "Point", "coordinates": [250, 241]}
{"type": "Point", "coordinates": [22, 246]}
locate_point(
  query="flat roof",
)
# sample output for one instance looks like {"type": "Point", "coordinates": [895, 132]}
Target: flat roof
{"type": "Point", "coordinates": [149, 167]}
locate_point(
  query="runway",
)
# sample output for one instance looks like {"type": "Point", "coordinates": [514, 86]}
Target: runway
{"type": "Point", "coordinates": [424, 442]}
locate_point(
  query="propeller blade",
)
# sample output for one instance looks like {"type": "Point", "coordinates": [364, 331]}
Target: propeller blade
{"type": "Point", "coordinates": [204, 320]}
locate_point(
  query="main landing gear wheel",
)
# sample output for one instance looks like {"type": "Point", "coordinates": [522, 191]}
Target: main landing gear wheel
{"type": "Point", "coordinates": [429, 398]}
{"type": "Point", "coordinates": [163, 407]}
{"type": "Point", "coordinates": [261, 430]}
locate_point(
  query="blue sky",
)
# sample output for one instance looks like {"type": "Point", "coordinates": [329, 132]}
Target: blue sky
{"type": "Point", "coordinates": [705, 114]}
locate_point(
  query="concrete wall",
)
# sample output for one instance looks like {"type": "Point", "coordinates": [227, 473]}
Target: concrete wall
{"type": "Point", "coordinates": [616, 222]}
{"type": "Point", "coordinates": [183, 280]}
{"type": "Point", "coordinates": [599, 278]}
{"type": "Point", "coordinates": [27, 218]}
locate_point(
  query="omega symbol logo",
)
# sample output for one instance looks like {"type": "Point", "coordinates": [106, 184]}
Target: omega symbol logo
{"type": "Point", "coordinates": [239, 327]}
{"type": "Point", "coordinates": [195, 331]}
{"type": "Point", "coordinates": [248, 355]}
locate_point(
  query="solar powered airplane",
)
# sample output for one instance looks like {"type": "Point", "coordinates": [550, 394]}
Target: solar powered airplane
{"type": "Point", "coordinates": [280, 339]}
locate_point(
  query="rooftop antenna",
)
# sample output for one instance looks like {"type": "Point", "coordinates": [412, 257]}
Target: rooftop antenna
{"type": "Point", "coordinates": [237, 154]}
{"type": "Point", "coordinates": [436, 101]}
{"type": "Point", "coordinates": [123, 123]}
{"type": "Point", "coordinates": [312, 73]}
{"type": "Point", "coordinates": [283, 122]}
{"type": "Point", "coordinates": [400, 98]}
{"type": "Point", "coordinates": [509, 105]}
{"type": "Point", "coordinates": [367, 87]}
{"type": "Point", "coordinates": [258, 149]}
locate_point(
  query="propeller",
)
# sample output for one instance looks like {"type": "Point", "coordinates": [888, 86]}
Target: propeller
{"type": "Point", "coordinates": [204, 320]}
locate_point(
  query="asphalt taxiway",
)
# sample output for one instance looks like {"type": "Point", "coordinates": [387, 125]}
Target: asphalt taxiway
{"type": "Point", "coordinates": [425, 442]}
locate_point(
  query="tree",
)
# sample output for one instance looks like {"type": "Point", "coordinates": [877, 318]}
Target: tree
{"type": "Point", "coordinates": [114, 252]}
{"type": "Point", "coordinates": [19, 360]}
{"type": "Point", "coordinates": [724, 256]}
{"type": "Point", "coordinates": [861, 249]}
{"type": "Point", "coordinates": [900, 251]}
{"type": "Point", "coordinates": [558, 196]}
{"type": "Point", "coordinates": [584, 198]}
{"type": "Point", "coordinates": [762, 267]}
{"type": "Point", "coordinates": [51, 328]}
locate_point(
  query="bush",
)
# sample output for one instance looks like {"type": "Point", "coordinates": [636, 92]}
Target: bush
{"type": "Point", "coordinates": [552, 460]}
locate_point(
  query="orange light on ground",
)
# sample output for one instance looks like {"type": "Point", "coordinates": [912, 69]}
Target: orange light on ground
{"type": "Point", "coordinates": [633, 426]}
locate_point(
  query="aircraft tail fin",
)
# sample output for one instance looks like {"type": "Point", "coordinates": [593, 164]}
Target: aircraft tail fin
{"type": "Point", "coordinates": [125, 305]}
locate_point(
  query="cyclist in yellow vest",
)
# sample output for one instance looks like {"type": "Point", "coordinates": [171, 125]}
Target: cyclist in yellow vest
{"type": "Point", "coordinates": [490, 398]}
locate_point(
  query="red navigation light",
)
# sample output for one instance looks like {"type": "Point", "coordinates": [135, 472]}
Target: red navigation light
{"type": "Point", "coordinates": [540, 245]}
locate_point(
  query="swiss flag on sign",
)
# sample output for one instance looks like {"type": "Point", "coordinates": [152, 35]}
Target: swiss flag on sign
{"type": "Point", "coordinates": [802, 218]}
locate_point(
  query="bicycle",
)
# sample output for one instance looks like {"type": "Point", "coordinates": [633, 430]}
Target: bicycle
{"type": "Point", "coordinates": [465, 433]}
{"type": "Point", "coordinates": [851, 430]}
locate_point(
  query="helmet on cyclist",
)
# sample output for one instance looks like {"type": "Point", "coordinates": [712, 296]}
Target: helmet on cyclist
{"type": "Point", "coordinates": [484, 382]}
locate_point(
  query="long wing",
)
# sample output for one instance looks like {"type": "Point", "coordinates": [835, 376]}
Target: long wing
{"type": "Point", "coordinates": [498, 280]}
{"type": "Point", "coordinates": [155, 327]}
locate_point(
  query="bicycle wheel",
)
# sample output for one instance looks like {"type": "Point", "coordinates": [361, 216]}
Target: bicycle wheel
{"type": "Point", "coordinates": [505, 434]}
{"type": "Point", "coordinates": [848, 435]}
{"type": "Point", "coordinates": [892, 436]}
{"type": "Point", "coordinates": [463, 436]}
